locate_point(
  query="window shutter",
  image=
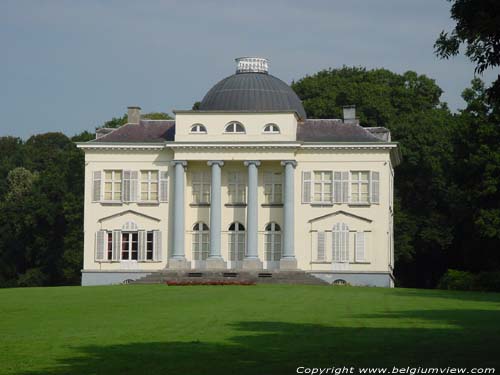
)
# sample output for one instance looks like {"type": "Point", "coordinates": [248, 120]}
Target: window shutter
{"type": "Point", "coordinates": [306, 187]}
{"type": "Point", "coordinates": [134, 186]}
{"type": "Point", "coordinates": [360, 247]}
{"type": "Point", "coordinates": [126, 186]}
{"type": "Point", "coordinates": [117, 245]}
{"type": "Point", "coordinates": [142, 245]}
{"type": "Point", "coordinates": [163, 186]}
{"type": "Point", "coordinates": [100, 248]}
{"type": "Point", "coordinates": [337, 187]}
{"type": "Point", "coordinates": [321, 246]}
{"type": "Point", "coordinates": [375, 187]}
{"type": "Point", "coordinates": [345, 187]}
{"type": "Point", "coordinates": [96, 186]}
{"type": "Point", "coordinates": [157, 249]}
{"type": "Point", "coordinates": [345, 243]}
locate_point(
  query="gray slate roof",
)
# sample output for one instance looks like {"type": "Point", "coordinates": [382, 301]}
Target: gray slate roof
{"type": "Point", "coordinates": [146, 131]}
{"type": "Point", "coordinates": [257, 92]}
{"type": "Point", "coordinates": [333, 130]}
{"type": "Point", "coordinates": [311, 130]}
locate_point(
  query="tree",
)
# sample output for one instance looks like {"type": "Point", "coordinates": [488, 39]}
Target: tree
{"type": "Point", "coordinates": [477, 27]}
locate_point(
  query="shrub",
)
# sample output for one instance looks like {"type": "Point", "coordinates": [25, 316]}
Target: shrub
{"type": "Point", "coordinates": [32, 277]}
{"type": "Point", "coordinates": [463, 280]}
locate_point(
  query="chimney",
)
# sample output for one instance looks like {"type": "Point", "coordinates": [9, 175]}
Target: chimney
{"type": "Point", "coordinates": [349, 114]}
{"type": "Point", "coordinates": [134, 115]}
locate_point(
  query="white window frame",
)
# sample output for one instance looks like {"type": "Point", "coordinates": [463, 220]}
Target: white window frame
{"type": "Point", "coordinates": [113, 181]}
{"type": "Point", "coordinates": [273, 244]}
{"type": "Point", "coordinates": [355, 179]}
{"type": "Point", "coordinates": [198, 129]}
{"type": "Point", "coordinates": [340, 243]}
{"type": "Point", "coordinates": [238, 185]}
{"type": "Point", "coordinates": [271, 128]}
{"type": "Point", "coordinates": [130, 251]}
{"type": "Point", "coordinates": [232, 128]}
{"type": "Point", "coordinates": [323, 182]}
{"type": "Point", "coordinates": [200, 187]}
{"type": "Point", "coordinates": [273, 194]}
{"type": "Point", "coordinates": [237, 243]}
{"type": "Point", "coordinates": [200, 241]}
{"type": "Point", "coordinates": [149, 182]}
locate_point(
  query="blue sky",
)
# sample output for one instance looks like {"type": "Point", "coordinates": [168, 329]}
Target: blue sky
{"type": "Point", "coordinates": [71, 65]}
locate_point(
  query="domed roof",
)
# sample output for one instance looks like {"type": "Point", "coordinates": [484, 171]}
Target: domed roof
{"type": "Point", "coordinates": [252, 89]}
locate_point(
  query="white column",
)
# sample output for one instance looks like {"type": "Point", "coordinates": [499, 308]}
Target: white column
{"type": "Point", "coordinates": [288, 260]}
{"type": "Point", "coordinates": [178, 259]}
{"type": "Point", "coordinates": [215, 260]}
{"type": "Point", "coordinates": [252, 260]}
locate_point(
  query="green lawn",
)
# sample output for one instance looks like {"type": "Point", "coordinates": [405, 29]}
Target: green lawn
{"type": "Point", "coordinates": [265, 329]}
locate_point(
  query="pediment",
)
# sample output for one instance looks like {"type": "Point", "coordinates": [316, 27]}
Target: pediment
{"type": "Point", "coordinates": [340, 213]}
{"type": "Point", "coordinates": [128, 214]}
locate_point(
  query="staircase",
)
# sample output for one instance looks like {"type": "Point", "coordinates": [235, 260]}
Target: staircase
{"type": "Point", "coordinates": [258, 277]}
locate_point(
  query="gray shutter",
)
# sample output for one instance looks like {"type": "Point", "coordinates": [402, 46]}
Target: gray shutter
{"type": "Point", "coordinates": [321, 246]}
{"type": "Point", "coordinates": [142, 245]}
{"type": "Point", "coordinates": [345, 187]}
{"type": "Point", "coordinates": [306, 187]}
{"type": "Point", "coordinates": [100, 249]}
{"type": "Point", "coordinates": [96, 186]}
{"type": "Point", "coordinates": [375, 188]}
{"type": "Point", "coordinates": [157, 249]}
{"type": "Point", "coordinates": [360, 247]}
{"type": "Point", "coordinates": [117, 245]}
{"type": "Point", "coordinates": [126, 186]}
{"type": "Point", "coordinates": [163, 186]}
{"type": "Point", "coordinates": [134, 186]}
{"type": "Point", "coordinates": [337, 187]}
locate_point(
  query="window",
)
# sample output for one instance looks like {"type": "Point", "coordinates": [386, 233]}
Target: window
{"type": "Point", "coordinates": [149, 185]}
{"type": "Point", "coordinates": [149, 245]}
{"type": "Point", "coordinates": [130, 246]}
{"type": "Point", "coordinates": [273, 187]}
{"type": "Point", "coordinates": [322, 186]}
{"type": "Point", "coordinates": [360, 186]}
{"type": "Point", "coordinates": [109, 246]}
{"type": "Point", "coordinates": [200, 241]}
{"type": "Point", "coordinates": [272, 242]}
{"type": "Point", "coordinates": [236, 241]}
{"type": "Point", "coordinates": [360, 253]}
{"type": "Point", "coordinates": [320, 249]}
{"type": "Point", "coordinates": [198, 128]}
{"type": "Point", "coordinates": [201, 187]}
{"type": "Point", "coordinates": [340, 243]}
{"type": "Point", "coordinates": [271, 128]}
{"type": "Point", "coordinates": [234, 127]}
{"type": "Point", "coordinates": [113, 185]}
{"type": "Point", "coordinates": [236, 187]}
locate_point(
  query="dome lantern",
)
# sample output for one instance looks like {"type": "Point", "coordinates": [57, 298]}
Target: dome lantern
{"type": "Point", "coordinates": [251, 65]}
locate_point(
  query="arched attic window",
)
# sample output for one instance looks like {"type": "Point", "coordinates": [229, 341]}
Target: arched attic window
{"type": "Point", "coordinates": [271, 129]}
{"type": "Point", "coordinates": [198, 129]}
{"type": "Point", "coordinates": [234, 127]}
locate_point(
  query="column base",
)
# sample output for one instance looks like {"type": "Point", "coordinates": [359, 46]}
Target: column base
{"type": "Point", "coordinates": [178, 264]}
{"type": "Point", "coordinates": [215, 263]}
{"type": "Point", "coordinates": [252, 264]}
{"type": "Point", "coordinates": [288, 263]}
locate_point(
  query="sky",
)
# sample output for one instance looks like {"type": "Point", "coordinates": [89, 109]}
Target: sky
{"type": "Point", "coordinates": [69, 65]}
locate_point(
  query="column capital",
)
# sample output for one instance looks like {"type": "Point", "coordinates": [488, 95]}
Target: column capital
{"type": "Point", "coordinates": [220, 163]}
{"type": "Point", "coordinates": [246, 163]}
{"type": "Point", "coordinates": [292, 162]}
{"type": "Point", "coordinates": [182, 162]}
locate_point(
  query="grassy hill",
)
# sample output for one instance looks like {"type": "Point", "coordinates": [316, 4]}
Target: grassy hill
{"type": "Point", "coordinates": [265, 329]}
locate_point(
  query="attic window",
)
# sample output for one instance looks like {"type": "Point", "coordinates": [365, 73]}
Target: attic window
{"type": "Point", "coordinates": [198, 128]}
{"type": "Point", "coordinates": [234, 127]}
{"type": "Point", "coordinates": [271, 129]}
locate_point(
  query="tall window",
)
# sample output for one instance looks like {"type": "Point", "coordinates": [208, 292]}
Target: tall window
{"type": "Point", "coordinates": [201, 187]}
{"type": "Point", "coordinates": [323, 186]}
{"type": "Point", "coordinates": [272, 242]}
{"type": "Point", "coordinates": [234, 127]}
{"type": "Point", "coordinates": [149, 185]}
{"type": "Point", "coordinates": [236, 241]}
{"type": "Point", "coordinates": [340, 243]}
{"type": "Point", "coordinates": [149, 246]}
{"type": "Point", "coordinates": [273, 187]}
{"type": "Point", "coordinates": [271, 128]}
{"type": "Point", "coordinates": [113, 185]}
{"type": "Point", "coordinates": [236, 187]}
{"type": "Point", "coordinates": [200, 241]}
{"type": "Point", "coordinates": [198, 128]}
{"type": "Point", "coordinates": [320, 249]}
{"type": "Point", "coordinates": [130, 246]}
{"type": "Point", "coordinates": [360, 181]}
{"type": "Point", "coordinates": [109, 246]}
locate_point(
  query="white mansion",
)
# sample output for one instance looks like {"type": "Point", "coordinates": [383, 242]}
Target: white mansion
{"type": "Point", "coordinates": [246, 182]}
